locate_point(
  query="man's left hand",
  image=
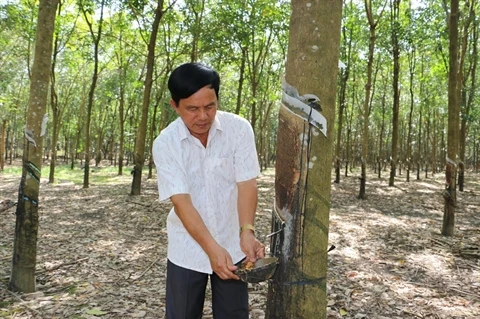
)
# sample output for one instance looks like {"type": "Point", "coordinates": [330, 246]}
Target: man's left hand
{"type": "Point", "coordinates": [251, 247]}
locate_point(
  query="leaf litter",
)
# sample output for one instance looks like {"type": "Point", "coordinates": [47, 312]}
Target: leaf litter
{"type": "Point", "coordinates": [102, 253]}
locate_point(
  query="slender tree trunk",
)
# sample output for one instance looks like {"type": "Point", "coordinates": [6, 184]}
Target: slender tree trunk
{"type": "Point", "coordinates": [450, 193]}
{"type": "Point", "coordinates": [96, 43]}
{"type": "Point", "coordinates": [7, 141]}
{"type": "Point", "coordinates": [26, 227]}
{"type": "Point", "coordinates": [139, 153]}
{"type": "Point", "coordinates": [411, 65]}
{"type": "Point", "coordinates": [349, 117]}
{"type": "Point", "coordinates": [366, 103]}
{"type": "Point", "coordinates": [382, 132]}
{"type": "Point", "coordinates": [366, 107]}
{"type": "Point", "coordinates": [198, 27]}
{"type": "Point", "coordinates": [153, 127]}
{"type": "Point", "coordinates": [261, 137]}
{"type": "Point", "coordinates": [302, 184]}
{"type": "Point", "coordinates": [347, 160]}
{"type": "Point", "coordinates": [11, 146]}
{"type": "Point", "coordinates": [342, 103]}
{"type": "Point", "coordinates": [434, 143]}
{"type": "Point", "coordinates": [2, 144]}
{"type": "Point", "coordinates": [396, 90]}
{"type": "Point", "coordinates": [476, 151]}
{"type": "Point", "coordinates": [467, 100]}
{"type": "Point", "coordinates": [98, 155]}
{"type": "Point", "coordinates": [54, 106]}
{"type": "Point", "coordinates": [241, 81]}
{"type": "Point", "coordinates": [419, 146]}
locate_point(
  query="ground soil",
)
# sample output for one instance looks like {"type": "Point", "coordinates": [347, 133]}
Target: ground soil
{"type": "Point", "coordinates": [101, 252]}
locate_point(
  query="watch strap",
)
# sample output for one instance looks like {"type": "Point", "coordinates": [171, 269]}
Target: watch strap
{"type": "Point", "coordinates": [247, 226]}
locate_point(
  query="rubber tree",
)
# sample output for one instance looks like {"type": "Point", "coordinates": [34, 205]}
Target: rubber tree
{"type": "Point", "coordinates": [304, 163]}
{"type": "Point", "coordinates": [26, 225]}
{"type": "Point", "coordinates": [450, 193]}
{"type": "Point", "coordinates": [139, 153]}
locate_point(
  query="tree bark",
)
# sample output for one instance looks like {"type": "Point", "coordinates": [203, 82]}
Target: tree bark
{"type": "Point", "coordinates": [382, 132]}
{"type": "Point", "coordinates": [26, 227]}
{"type": "Point", "coordinates": [366, 103]}
{"type": "Point", "coordinates": [467, 99]}
{"type": "Point", "coordinates": [91, 93]}
{"type": "Point", "coordinates": [298, 289]}
{"type": "Point", "coordinates": [139, 153]}
{"type": "Point", "coordinates": [197, 26]}
{"type": "Point", "coordinates": [450, 193]}
{"type": "Point", "coordinates": [240, 81]}
{"type": "Point", "coordinates": [153, 126]}
{"type": "Point", "coordinates": [411, 64]}
{"type": "Point", "coordinates": [55, 108]}
{"type": "Point", "coordinates": [3, 144]}
{"type": "Point", "coordinates": [341, 106]}
{"type": "Point", "coordinates": [396, 90]}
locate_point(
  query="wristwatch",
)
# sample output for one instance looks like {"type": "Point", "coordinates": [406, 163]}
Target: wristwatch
{"type": "Point", "coordinates": [247, 226]}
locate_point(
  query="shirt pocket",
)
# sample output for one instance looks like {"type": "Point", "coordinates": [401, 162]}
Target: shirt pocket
{"type": "Point", "coordinates": [223, 169]}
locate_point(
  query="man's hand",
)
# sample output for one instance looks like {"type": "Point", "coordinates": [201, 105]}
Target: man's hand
{"type": "Point", "coordinates": [221, 263]}
{"type": "Point", "coordinates": [251, 247]}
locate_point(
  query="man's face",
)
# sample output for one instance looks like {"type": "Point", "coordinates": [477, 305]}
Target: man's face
{"type": "Point", "coordinates": [198, 111]}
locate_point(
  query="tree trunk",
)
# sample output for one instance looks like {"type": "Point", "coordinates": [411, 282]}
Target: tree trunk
{"type": "Point", "coordinates": [240, 81]}
{"type": "Point", "coordinates": [139, 153]}
{"type": "Point", "coordinates": [476, 151]}
{"type": "Point", "coordinates": [96, 43]}
{"type": "Point", "coordinates": [396, 90]}
{"type": "Point", "coordinates": [11, 145]}
{"type": "Point", "coordinates": [197, 29]}
{"type": "Point", "coordinates": [54, 106]}
{"type": "Point", "coordinates": [366, 103]}
{"type": "Point", "coordinates": [298, 289]}
{"type": "Point", "coordinates": [382, 132]}
{"type": "Point", "coordinates": [2, 144]}
{"type": "Point", "coordinates": [411, 64]}
{"type": "Point", "coordinates": [467, 100]}
{"type": "Point", "coordinates": [98, 154]}
{"type": "Point", "coordinates": [153, 126]}
{"type": "Point", "coordinates": [419, 146]}
{"type": "Point", "coordinates": [450, 193]}
{"type": "Point", "coordinates": [347, 161]}
{"type": "Point", "coordinates": [349, 117]}
{"type": "Point", "coordinates": [341, 108]}
{"type": "Point", "coordinates": [7, 143]}
{"type": "Point", "coordinates": [26, 227]}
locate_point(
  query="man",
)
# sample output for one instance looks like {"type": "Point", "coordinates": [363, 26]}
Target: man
{"type": "Point", "coordinates": [207, 166]}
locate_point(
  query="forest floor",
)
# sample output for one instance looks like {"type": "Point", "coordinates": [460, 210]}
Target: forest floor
{"type": "Point", "coordinates": [101, 253]}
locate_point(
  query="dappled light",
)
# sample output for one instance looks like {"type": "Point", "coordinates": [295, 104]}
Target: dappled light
{"type": "Point", "coordinates": [102, 248]}
{"type": "Point", "coordinates": [406, 268]}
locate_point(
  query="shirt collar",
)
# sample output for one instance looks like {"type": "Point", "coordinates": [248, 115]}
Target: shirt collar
{"type": "Point", "coordinates": [184, 133]}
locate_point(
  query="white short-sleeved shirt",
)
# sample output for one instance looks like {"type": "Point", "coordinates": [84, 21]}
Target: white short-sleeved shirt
{"type": "Point", "coordinates": [209, 174]}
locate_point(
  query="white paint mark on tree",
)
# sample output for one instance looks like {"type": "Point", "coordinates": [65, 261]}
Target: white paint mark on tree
{"type": "Point", "coordinates": [304, 139]}
{"type": "Point", "coordinates": [44, 125]}
{"type": "Point", "coordinates": [288, 233]}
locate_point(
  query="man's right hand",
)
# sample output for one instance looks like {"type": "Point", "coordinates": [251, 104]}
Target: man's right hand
{"type": "Point", "coordinates": [221, 263]}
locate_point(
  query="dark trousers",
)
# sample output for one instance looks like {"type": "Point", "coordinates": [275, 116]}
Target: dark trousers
{"type": "Point", "coordinates": [186, 295]}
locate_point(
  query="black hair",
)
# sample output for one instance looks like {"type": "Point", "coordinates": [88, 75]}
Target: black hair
{"type": "Point", "coordinates": [188, 78]}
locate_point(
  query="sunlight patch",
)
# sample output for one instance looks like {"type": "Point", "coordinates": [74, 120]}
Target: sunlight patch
{"type": "Point", "coordinates": [350, 252]}
{"type": "Point", "coordinates": [435, 264]}
{"type": "Point", "coordinates": [426, 191]}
